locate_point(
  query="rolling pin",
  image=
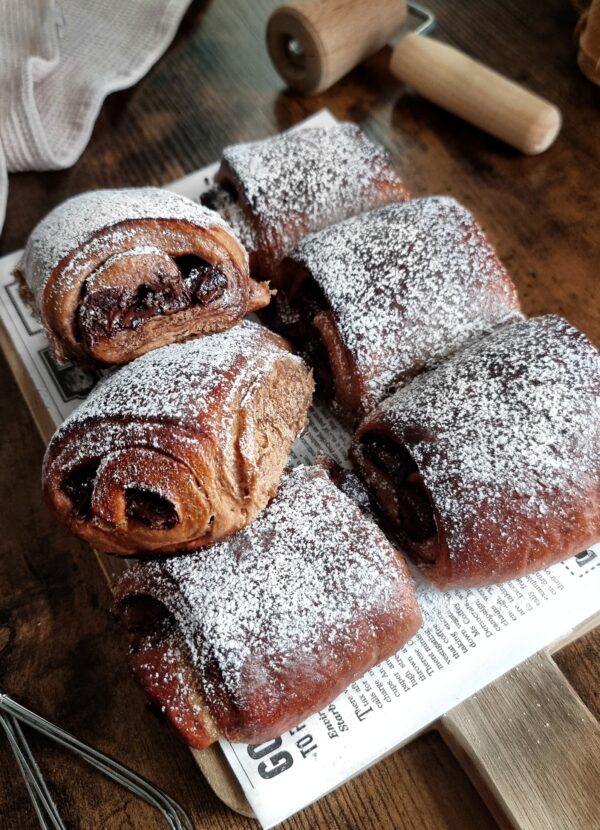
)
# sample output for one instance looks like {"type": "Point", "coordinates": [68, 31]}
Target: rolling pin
{"type": "Point", "coordinates": [467, 88]}
{"type": "Point", "coordinates": [313, 43]}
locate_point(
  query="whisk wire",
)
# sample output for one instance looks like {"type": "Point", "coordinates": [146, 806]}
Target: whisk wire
{"type": "Point", "coordinates": [172, 812]}
{"type": "Point", "coordinates": [43, 804]}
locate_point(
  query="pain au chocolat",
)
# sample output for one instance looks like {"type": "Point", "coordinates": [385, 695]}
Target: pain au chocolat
{"type": "Point", "coordinates": [181, 447]}
{"type": "Point", "coordinates": [115, 273]}
{"type": "Point", "coordinates": [246, 639]}
{"type": "Point", "coordinates": [376, 299]}
{"type": "Point", "coordinates": [488, 467]}
{"type": "Point", "coordinates": [275, 191]}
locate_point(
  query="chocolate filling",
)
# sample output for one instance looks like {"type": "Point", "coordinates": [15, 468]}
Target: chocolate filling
{"type": "Point", "coordinates": [142, 615]}
{"type": "Point", "coordinates": [112, 309]}
{"type": "Point", "coordinates": [414, 521]}
{"type": "Point", "coordinates": [78, 486]}
{"type": "Point", "coordinates": [215, 197]}
{"type": "Point", "coordinates": [211, 198]}
{"type": "Point", "coordinates": [293, 318]}
{"type": "Point", "coordinates": [317, 356]}
{"type": "Point", "coordinates": [150, 509]}
{"type": "Point", "coordinates": [205, 282]}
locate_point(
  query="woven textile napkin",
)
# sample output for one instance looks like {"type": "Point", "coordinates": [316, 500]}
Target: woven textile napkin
{"type": "Point", "coordinates": [59, 59]}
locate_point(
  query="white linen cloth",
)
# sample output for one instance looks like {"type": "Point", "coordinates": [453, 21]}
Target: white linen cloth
{"type": "Point", "coordinates": [59, 59]}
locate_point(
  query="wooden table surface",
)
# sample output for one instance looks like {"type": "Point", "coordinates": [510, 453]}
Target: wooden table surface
{"type": "Point", "coordinates": [60, 650]}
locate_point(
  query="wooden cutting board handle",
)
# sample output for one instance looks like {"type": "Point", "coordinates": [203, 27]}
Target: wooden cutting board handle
{"type": "Point", "coordinates": [467, 88]}
{"type": "Point", "coordinates": [531, 747]}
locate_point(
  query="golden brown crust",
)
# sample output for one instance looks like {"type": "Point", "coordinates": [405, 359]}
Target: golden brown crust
{"type": "Point", "coordinates": [276, 191]}
{"type": "Point", "coordinates": [315, 596]}
{"type": "Point", "coordinates": [260, 296]}
{"type": "Point", "coordinates": [346, 381]}
{"type": "Point", "coordinates": [389, 293]}
{"type": "Point", "coordinates": [181, 447]}
{"type": "Point", "coordinates": [162, 666]}
{"type": "Point", "coordinates": [140, 269]}
{"type": "Point", "coordinates": [488, 467]}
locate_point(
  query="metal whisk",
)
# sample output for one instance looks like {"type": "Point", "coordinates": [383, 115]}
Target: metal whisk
{"type": "Point", "coordinates": [12, 715]}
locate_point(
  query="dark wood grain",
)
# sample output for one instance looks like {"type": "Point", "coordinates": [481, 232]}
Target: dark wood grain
{"type": "Point", "coordinates": [60, 651]}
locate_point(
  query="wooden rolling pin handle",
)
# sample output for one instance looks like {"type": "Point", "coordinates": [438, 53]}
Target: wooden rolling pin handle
{"type": "Point", "coordinates": [467, 88]}
{"type": "Point", "coordinates": [313, 43]}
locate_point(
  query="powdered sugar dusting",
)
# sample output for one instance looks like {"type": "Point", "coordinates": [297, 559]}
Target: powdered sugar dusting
{"type": "Point", "coordinates": [408, 284]}
{"type": "Point", "coordinates": [75, 222]}
{"type": "Point", "coordinates": [158, 384]}
{"type": "Point", "coordinates": [506, 433]}
{"type": "Point", "coordinates": [139, 250]}
{"type": "Point", "coordinates": [221, 200]}
{"type": "Point", "coordinates": [175, 384]}
{"type": "Point", "coordinates": [281, 590]}
{"type": "Point", "coordinates": [301, 181]}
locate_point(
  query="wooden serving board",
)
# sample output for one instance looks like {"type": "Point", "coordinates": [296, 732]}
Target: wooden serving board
{"type": "Point", "coordinates": [535, 765]}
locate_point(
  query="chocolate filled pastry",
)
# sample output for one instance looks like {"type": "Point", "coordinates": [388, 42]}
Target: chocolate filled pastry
{"type": "Point", "coordinates": [115, 273]}
{"type": "Point", "coordinates": [275, 191]}
{"type": "Point", "coordinates": [183, 446]}
{"type": "Point", "coordinates": [488, 467]}
{"type": "Point", "coordinates": [248, 638]}
{"type": "Point", "coordinates": [375, 299]}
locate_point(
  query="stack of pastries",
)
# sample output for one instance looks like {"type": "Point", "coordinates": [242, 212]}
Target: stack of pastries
{"type": "Point", "coordinates": [260, 592]}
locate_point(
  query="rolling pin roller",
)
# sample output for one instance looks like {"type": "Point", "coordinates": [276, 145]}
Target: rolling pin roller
{"type": "Point", "coordinates": [313, 43]}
